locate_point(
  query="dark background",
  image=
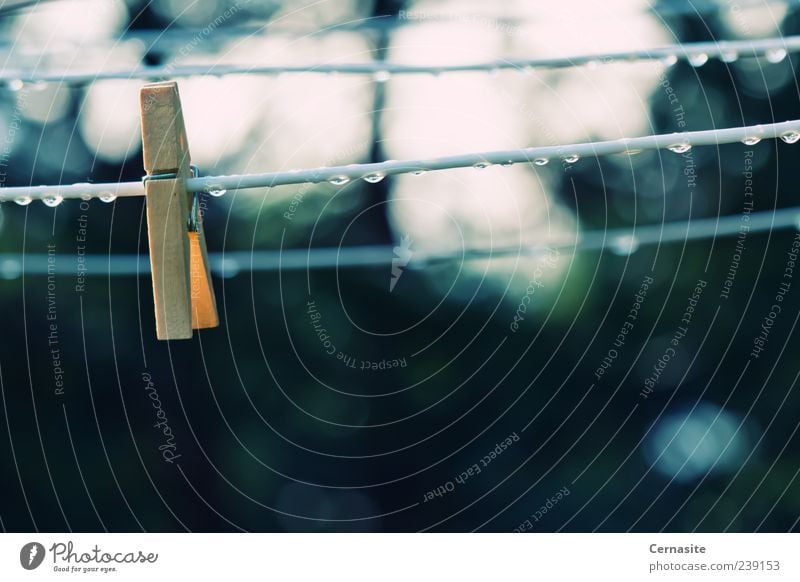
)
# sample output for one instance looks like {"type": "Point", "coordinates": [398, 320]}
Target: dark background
{"type": "Point", "coordinates": [274, 435]}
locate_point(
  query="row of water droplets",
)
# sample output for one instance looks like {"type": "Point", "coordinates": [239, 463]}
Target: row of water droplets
{"type": "Point", "coordinates": [679, 147]}
{"type": "Point", "coordinates": [698, 59]}
{"type": "Point", "coordinates": [694, 58]}
{"type": "Point", "coordinates": [53, 200]}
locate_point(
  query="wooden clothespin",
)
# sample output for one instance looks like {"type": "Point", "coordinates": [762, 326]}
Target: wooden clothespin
{"type": "Point", "coordinates": [182, 289]}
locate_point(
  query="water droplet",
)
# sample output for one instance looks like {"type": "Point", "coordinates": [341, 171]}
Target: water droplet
{"type": "Point", "coordinates": [775, 55]}
{"type": "Point", "coordinates": [791, 136]}
{"type": "Point", "coordinates": [23, 200]}
{"type": "Point", "coordinates": [572, 158]}
{"type": "Point", "coordinates": [339, 180]}
{"type": "Point", "coordinates": [624, 245]}
{"type": "Point", "coordinates": [381, 76]}
{"type": "Point", "coordinates": [216, 190]}
{"type": "Point", "coordinates": [632, 152]}
{"type": "Point", "coordinates": [10, 269]}
{"type": "Point", "coordinates": [697, 59]}
{"type": "Point", "coordinates": [669, 60]}
{"type": "Point", "coordinates": [680, 147]}
{"type": "Point", "coordinates": [541, 161]}
{"type": "Point", "coordinates": [481, 165]}
{"type": "Point", "coordinates": [52, 200]}
{"type": "Point", "coordinates": [374, 178]}
{"type": "Point", "coordinates": [507, 163]}
{"type": "Point", "coordinates": [16, 84]}
{"type": "Point", "coordinates": [229, 268]}
{"type": "Point", "coordinates": [592, 64]}
{"type": "Point", "coordinates": [751, 140]}
{"type": "Point", "coordinates": [107, 197]}
{"type": "Point", "coordinates": [85, 196]}
{"type": "Point", "coordinates": [418, 172]}
{"type": "Point", "coordinates": [728, 56]}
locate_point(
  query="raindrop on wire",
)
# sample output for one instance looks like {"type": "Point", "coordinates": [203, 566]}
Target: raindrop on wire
{"type": "Point", "coordinates": [775, 55]}
{"type": "Point", "coordinates": [10, 269]}
{"type": "Point", "coordinates": [52, 200]}
{"type": "Point", "coordinates": [680, 147]}
{"type": "Point", "coordinates": [85, 196]}
{"type": "Point", "coordinates": [624, 245]}
{"type": "Point", "coordinates": [697, 59]}
{"type": "Point", "coordinates": [381, 76]}
{"type": "Point", "coordinates": [374, 178]}
{"type": "Point", "coordinates": [339, 180]}
{"type": "Point", "coordinates": [669, 60]}
{"type": "Point", "coordinates": [791, 136]}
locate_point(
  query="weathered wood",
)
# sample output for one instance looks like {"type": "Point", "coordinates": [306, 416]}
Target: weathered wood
{"type": "Point", "coordinates": [164, 142]}
{"type": "Point", "coordinates": [169, 258]}
{"type": "Point", "coordinates": [204, 304]}
{"type": "Point", "coordinates": [178, 259]}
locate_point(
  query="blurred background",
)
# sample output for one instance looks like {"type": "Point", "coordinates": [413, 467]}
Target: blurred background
{"type": "Point", "coordinates": [491, 395]}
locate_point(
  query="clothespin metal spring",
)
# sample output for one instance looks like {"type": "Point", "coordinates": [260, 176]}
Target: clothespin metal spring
{"type": "Point", "coordinates": [193, 220]}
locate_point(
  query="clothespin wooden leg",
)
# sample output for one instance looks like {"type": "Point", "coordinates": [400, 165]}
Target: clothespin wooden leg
{"type": "Point", "coordinates": [204, 303]}
{"type": "Point", "coordinates": [182, 290]}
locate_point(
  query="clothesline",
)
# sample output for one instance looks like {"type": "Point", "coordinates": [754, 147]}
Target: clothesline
{"type": "Point", "coordinates": [620, 241]}
{"type": "Point", "coordinates": [679, 143]}
{"type": "Point", "coordinates": [385, 23]}
{"type": "Point", "coordinates": [696, 53]}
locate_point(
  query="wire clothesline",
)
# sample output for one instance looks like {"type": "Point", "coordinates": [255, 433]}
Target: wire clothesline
{"type": "Point", "coordinates": [213, 35]}
{"type": "Point", "coordinates": [179, 36]}
{"type": "Point", "coordinates": [620, 241]}
{"type": "Point", "coordinates": [696, 53]}
{"type": "Point", "coordinates": [680, 143]}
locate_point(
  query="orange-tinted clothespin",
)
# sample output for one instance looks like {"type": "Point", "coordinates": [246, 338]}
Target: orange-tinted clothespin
{"type": "Point", "coordinates": [182, 289]}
